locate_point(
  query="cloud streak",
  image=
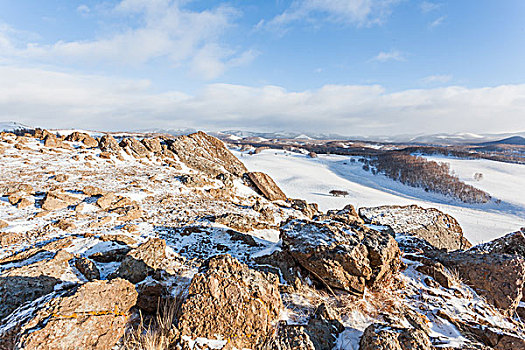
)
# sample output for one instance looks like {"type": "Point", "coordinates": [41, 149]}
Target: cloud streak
{"type": "Point", "coordinates": [55, 99]}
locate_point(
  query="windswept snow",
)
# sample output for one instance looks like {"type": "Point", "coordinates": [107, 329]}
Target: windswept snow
{"type": "Point", "coordinates": [312, 179]}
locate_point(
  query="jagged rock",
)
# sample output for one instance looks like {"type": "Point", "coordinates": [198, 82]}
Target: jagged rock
{"type": "Point", "coordinates": [29, 282]}
{"type": "Point", "coordinates": [107, 200]}
{"type": "Point", "coordinates": [379, 336]}
{"type": "Point", "coordinates": [150, 294]}
{"type": "Point", "coordinates": [152, 145]}
{"type": "Point", "coordinates": [56, 200]}
{"type": "Point", "coordinates": [347, 215]}
{"type": "Point", "coordinates": [41, 133]}
{"type": "Point", "coordinates": [232, 300]}
{"type": "Point", "coordinates": [87, 268]}
{"type": "Point", "coordinates": [499, 278]}
{"type": "Point", "coordinates": [340, 257]}
{"type": "Point", "coordinates": [134, 147]}
{"type": "Point", "coordinates": [3, 224]}
{"type": "Point", "coordinates": [240, 222]}
{"type": "Point", "coordinates": [91, 316]}
{"type": "Point", "coordinates": [308, 209]}
{"type": "Point", "coordinates": [93, 191]}
{"type": "Point", "coordinates": [86, 139]}
{"type": "Point", "coordinates": [319, 334]}
{"type": "Point", "coordinates": [435, 270]}
{"type": "Point", "coordinates": [107, 143]}
{"type": "Point", "coordinates": [438, 229]}
{"type": "Point", "coordinates": [512, 243]}
{"type": "Point", "coordinates": [265, 184]}
{"type": "Point", "coordinates": [206, 153]}
{"type": "Point", "coordinates": [111, 255]}
{"type": "Point", "coordinates": [24, 203]}
{"type": "Point", "coordinates": [141, 262]}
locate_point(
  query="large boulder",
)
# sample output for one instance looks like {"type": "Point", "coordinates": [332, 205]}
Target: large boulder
{"type": "Point", "coordinates": [206, 153]}
{"type": "Point", "coordinates": [499, 278]}
{"type": "Point", "coordinates": [266, 186]}
{"type": "Point", "coordinates": [91, 316]}
{"type": "Point", "coordinates": [107, 143]}
{"type": "Point", "coordinates": [134, 147]}
{"type": "Point", "coordinates": [27, 283]}
{"type": "Point", "coordinates": [141, 262]}
{"type": "Point", "coordinates": [339, 256]}
{"type": "Point", "coordinates": [229, 300]}
{"type": "Point", "coordinates": [86, 139]}
{"type": "Point", "coordinates": [512, 243]}
{"type": "Point", "coordinates": [384, 337]}
{"type": "Point", "coordinates": [438, 229]}
{"type": "Point", "coordinates": [58, 199]}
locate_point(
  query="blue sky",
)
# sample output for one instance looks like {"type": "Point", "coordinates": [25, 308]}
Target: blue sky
{"type": "Point", "coordinates": [357, 67]}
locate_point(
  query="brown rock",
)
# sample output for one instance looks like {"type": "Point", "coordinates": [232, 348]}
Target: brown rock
{"type": "Point", "coordinates": [378, 336]}
{"type": "Point", "coordinates": [87, 268]}
{"type": "Point", "coordinates": [230, 299]}
{"type": "Point", "coordinates": [86, 139]}
{"type": "Point", "coordinates": [107, 143]}
{"type": "Point", "coordinates": [266, 186]}
{"type": "Point", "coordinates": [339, 256]}
{"type": "Point", "coordinates": [14, 198]}
{"type": "Point", "coordinates": [141, 262]}
{"type": "Point", "coordinates": [91, 316]}
{"type": "Point", "coordinates": [57, 199]}
{"type": "Point", "coordinates": [134, 147]}
{"type": "Point", "coordinates": [206, 153]}
{"type": "Point", "coordinates": [92, 191]}
{"type": "Point", "coordinates": [61, 177]}
{"type": "Point", "coordinates": [152, 145]}
{"type": "Point", "coordinates": [438, 229]}
{"type": "Point", "coordinates": [3, 224]}
{"type": "Point", "coordinates": [107, 200]}
{"type": "Point", "coordinates": [308, 209]}
{"type": "Point", "coordinates": [25, 202]}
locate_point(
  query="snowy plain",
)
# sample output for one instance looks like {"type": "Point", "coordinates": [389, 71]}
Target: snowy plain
{"type": "Point", "coordinates": [312, 178]}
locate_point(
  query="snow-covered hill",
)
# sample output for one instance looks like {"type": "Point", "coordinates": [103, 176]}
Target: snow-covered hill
{"type": "Point", "coordinates": [303, 177]}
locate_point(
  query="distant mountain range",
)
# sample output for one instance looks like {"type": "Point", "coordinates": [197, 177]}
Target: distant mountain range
{"type": "Point", "coordinates": [513, 140]}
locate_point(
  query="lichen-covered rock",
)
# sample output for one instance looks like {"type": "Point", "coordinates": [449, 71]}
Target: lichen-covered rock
{"type": "Point", "coordinates": [91, 316]}
{"type": "Point", "coordinates": [86, 139]}
{"type": "Point", "coordinates": [143, 261]}
{"type": "Point", "coordinates": [383, 337]}
{"type": "Point", "coordinates": [499, 278]}
{"type": "Point", "coordinates": [265, 184]}
{"type": "Point", "coordinates": [438, 229]}
{"type": "Point", "coordinates": [229, 300]}
{"type": "Point", "coordinates": [339, 256]}
{"type": "Point", "coordinates": [26, 283]}
{"type": "Point", "coordinates": [107, 143]}
{"type": "Point", "coordinates": [134, 147]}
{"type": "Point", "coordinates": [206, 153]}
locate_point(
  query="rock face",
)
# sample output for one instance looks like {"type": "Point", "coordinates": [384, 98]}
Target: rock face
{"type": "Point", "coordinates": [319, 334]}
{"type": "Point", "coordinates": [498, 277]}
{"type": "Point", "coordinates": [378, 336]}
{"type": "Point", "coordinates": [438, 229]}
{"type": "Point", "coordinates": [27, 283]}
{"type": "Point", "coordinates": [143, 261]}
{"type": "Point", "coordinates": [93, 316]}
{"type": "Point", "coordinates": [230, 300]}
{"type": "Point", "coordinates": [82, 137]}
{"type": "Point", "coordinates": [266, 186]}
{"type": "Point", "coordinates": [107, 143]}
{"type": "Point", "coordinates": [134, 147]}
{"type": "Point", "coordinates": [207, 154]}
{"type": "Point", "coordinates": [339, 256]}
{"type": "Point", "coordinates": [512, 243]}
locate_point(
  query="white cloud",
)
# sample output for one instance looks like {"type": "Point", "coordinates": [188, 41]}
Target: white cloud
{"type": "Point", "coordinates": [427, 6]}
{"type": "Point", "coordinates": [393, 55]}
{"type": "Point", "coordinates": [166, 31]}
{"type": "Point", "coordinates": [437, 79]}
{"type": "Point", "coordinates": [357, 12]}
{"type": "Point", "coordinates": [83, 9]}
{"type": "Point", "coordinates": [438, 21]}
{"type": "Point", "coordinates": [54, 99]}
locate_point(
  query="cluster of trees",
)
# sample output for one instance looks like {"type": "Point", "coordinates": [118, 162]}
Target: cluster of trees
{"type": "Point", "coordinates": [417, 171]}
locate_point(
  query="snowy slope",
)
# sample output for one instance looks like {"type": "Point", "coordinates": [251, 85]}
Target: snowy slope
{"type": "Point", "coordinates": [312, 179]}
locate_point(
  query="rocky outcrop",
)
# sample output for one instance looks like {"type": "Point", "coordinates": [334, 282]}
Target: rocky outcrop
{"type": "Point", "coordinates": [308, 209]}
{"type": "Point", "coordinates": [107, 143]}
{"type": "Point", "coordinates": [58, 199]}
{"type": "Point", "coordinates": [92, 316]}
{"type": "Point", "coordinates": [512, 243]}
{"type": "Point", "coordinates": [134, 147]}
{"type": "Point", "coordinates": [86, 139]}
{"type": "Point", "coordinates": [87, 268]}
{"type": "Point", "coordinates": [499, 278]}
{"type": "Point", "coordinates": [379, 336]}
{"type": "Point", "coordinates": [438, 229]}
{"type": "Point", "coordinates": [319, 334]}
{"type": "Point", "coordinates": [340, 257]}
{"type": "Point", "coordinates": [207, 154]}
{"type": "Point", "coordinates": [143, 261]}
{"type": "Point", "coordinates": [229, 299]}
{"type": "Point", "coordinates": [27, 283]}
{"type": "Point", "coordinates": [266, 186]}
